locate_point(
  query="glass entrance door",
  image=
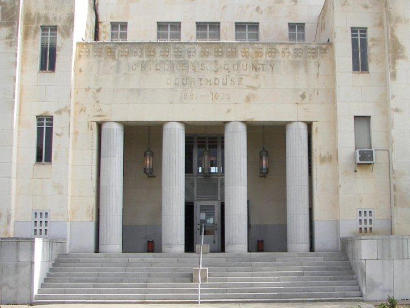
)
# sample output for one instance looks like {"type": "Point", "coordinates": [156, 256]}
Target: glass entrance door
{"type": "Point", "coordinates": [208, 214]}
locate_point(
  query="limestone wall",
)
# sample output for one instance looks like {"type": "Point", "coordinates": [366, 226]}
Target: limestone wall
{"type": "Point", "coordinates": [398, 18]}
{"type": "Point", "coordinates": [273, 17]}
{"type": "Point", "coordinates": [381, 264]}
{"type": "Point", "coordinates": [9, 25]}
{"type": "Point", "coordinates": [44, 186]}
{"type": "Point", "coordinates": [362, 94]}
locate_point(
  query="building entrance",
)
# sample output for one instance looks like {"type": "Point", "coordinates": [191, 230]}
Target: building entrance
{"type": "Point", "coordinates": [204, 191]}
{"type": "Point", "coordinates": [208, 218]}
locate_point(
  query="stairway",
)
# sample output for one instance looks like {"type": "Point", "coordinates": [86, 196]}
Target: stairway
{"type": "Point", "coordinates": [87, 277]}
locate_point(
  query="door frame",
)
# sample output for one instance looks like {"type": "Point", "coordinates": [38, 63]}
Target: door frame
{"type": "Point", "coordinates": [197, 236]}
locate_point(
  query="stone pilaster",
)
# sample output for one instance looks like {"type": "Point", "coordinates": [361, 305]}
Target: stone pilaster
{"type": "Point", "coordinates": [297, 187]}
{"type": "Point", "coordinates": [236, 189]}
{"type": "Point", "coordinates": [111, 187]}
{"type": "Point", "coordinates": [173, 187]}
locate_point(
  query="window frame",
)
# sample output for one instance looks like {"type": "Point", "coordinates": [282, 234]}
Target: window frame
{"type": "Point", "coordinates": [119, 31]}
{"type": "Point", "coordinates": [356, 34]}
{"type": "Point", "coordinates": [50, 63]}
{"type": "Point", "coordinates": [169, 24]}
{"type": "Point", "coordinates": [44, 158]}
{"type": "Point", "coordinates": [247, 24]}
{"type": "Point", "coordinates": [207, 39]}
{"type": "Point", "coordinates": [356, 128]}
{"type": "Point", "coordinates": [296, 32]}
{"type": "Point", "coordinates": [196, 164]}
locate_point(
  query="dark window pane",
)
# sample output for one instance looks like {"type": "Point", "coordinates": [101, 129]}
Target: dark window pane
{"type": "Point", "coordinates": [363, 55]}
{"type": "Point", "coordinates": [52, 59]}
{"type": "Point", "coordinates": [174, 27]}
{"type": "Point", "coordinates": [355, 54]}
{"type": "Point", "coordinates": [292, 27]}
{"type": "Point", "coordinates": [201, 27]}
{"type": "Point", "coordinates": [240, 36]}
{"type": "Point", "coordinates": [163, 27]}
{"type": "Point", "coordinates": [252, 36]}
{"type": "Point", "coordinates": [39, 152]}
{"type": "Point", "coordinates": [43, 58]}
{"type": "Point", "coordinates": [253, 28]}
{"type": "Point", "coordinates": [240, 28]}
{"type": "Point", "coordinates": [49, 144]}
{"type": "Point", "coordinates": [189, 157]}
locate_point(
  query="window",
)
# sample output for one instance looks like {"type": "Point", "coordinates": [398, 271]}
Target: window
{"type": "Point", "coordinates": [40, 223]}
{"type": "Point", "coordinates": [44, 139]}
{"type": "Point", "coordinates": [119, 31]}
{"type": "Point", "coordinates": [296, 32]}
{"type": "Point", "coordinates": [365, 220]}
{"type": "Point", "coordinates": [48, 48]}
{"type": "Point", "coordinates": [246, 31]}
{"type": "Point", "coordinates": [359, 50]}
{"type": "Point", "coordinates": [362, 132]}
{"type": "Point", "coordinates": [204, 152]}
{"type": "Point", "coordinates": [169, 31]}
{"type": "Point", "coordinates": [207, 31]}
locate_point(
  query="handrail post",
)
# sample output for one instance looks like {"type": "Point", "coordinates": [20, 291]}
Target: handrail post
{"type": "Point", "coordinates": [200, 263]}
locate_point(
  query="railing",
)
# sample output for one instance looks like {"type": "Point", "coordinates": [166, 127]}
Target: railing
{"type": "Point", "coordinates": [200, 263]}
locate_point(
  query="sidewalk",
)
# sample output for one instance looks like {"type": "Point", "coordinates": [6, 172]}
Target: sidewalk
{"type": "Point", "coordinates": [216, 305]}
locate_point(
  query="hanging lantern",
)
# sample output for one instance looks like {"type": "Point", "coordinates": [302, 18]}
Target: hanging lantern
{"type": "Point", "coordinates": [148, 162]}
{"type": "Point", "coordinates": [263, 162]}
{"type": "Point", "coordinates": [149, 158]}
{"type": "Point", "coordinates": [263, 158]}
{"type": "Point", "coordinates": [206, 167]}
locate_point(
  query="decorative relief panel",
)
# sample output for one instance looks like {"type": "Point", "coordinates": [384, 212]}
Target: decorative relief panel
{"type": "Point", "coordinates": [206, 51]}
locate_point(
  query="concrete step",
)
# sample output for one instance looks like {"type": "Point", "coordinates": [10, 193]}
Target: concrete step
{"type": "Point", "coordinates": [168, 278]}
{"type": "Point", "coordinates": [109, 258]}
{"type": "Point", "coordinates": [208, 285]}
{"type": "Point", "coordinates": [212, 255]}
{"type": "Point", "coordinates": [281, 278]}
{"type": "Point", "coordinates": [208, 263]}
{"type": "Point", "coordinates": [193, 297]}
{"type": "Point", "coordinates": [120, 269]}
{"type": "Point", "coordinates": [280, 273]}
{"type": "Point", "coordinates": [189, 269]}
{"type": "Point", "coordinates": [122, 274]}
{"type": "Point", "coordinates": [194, 290]}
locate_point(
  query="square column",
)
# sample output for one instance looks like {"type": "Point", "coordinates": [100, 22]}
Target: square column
{"type": "Point", "coordinates": [111, 187]}
{"type": "Point", "coordinates": [236, 188]}
{"type": "Point", "coordinates": [297, 187]}
{"type": "Point", "coordinates": [173, 187]}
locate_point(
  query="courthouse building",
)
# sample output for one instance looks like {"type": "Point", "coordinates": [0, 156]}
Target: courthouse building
{"type": "Point", "coordinates": [279, 125]}
{"type": "Point", "coordinates": [88, 88]}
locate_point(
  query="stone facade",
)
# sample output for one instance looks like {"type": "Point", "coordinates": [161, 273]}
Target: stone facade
{"type": "Point", "coordinates": [264, 87]}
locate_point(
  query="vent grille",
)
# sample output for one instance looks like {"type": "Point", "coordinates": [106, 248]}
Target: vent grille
{"type": "Point", "coordinates": [365, 220]}
{"type": "Point", "coordinates": [40, 223]}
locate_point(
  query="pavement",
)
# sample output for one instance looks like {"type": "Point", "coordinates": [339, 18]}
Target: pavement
{"type": "Point", "coordinates": [216, 305]}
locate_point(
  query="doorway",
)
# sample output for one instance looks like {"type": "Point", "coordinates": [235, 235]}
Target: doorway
{"type": "Point", "coordinates": [208, 215]}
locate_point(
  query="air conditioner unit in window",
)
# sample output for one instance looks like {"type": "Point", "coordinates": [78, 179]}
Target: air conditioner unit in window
{"type": "Point", "coordinates": [365, 156]}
